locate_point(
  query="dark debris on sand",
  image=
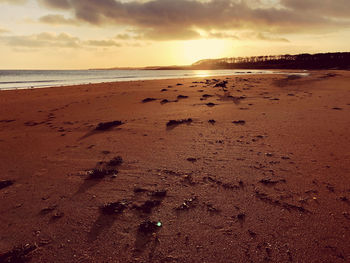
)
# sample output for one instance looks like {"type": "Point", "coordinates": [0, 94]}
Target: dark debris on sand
{"type": "Point", "coordinates": [290, 207]}
{"type": "Point", "coordinates": [210, 104]}
{"type": "Point", "coordinates": [239, 122]}
{"type": "Point", "coordinates": [187, 204]}
{"type": "Point", "coordinates": [344, 199]}
{"type": "Point", "coordinates": [164, 101]}
{"type": "Point", "coordinates": [228, 97]}
{"type": "Point", "coordinates": [139, 190]}
{"type": "Point", "coordinates": [159, 193]}
{"type": "Point", "coordinates": [178, 122]}
{"type": "Point", "coordinates": [48, 210]}
{"type": "Point", "coordinates": [106, 168]}
{"type": "Point", "coordinates": [149, 227]}
{"type": "Point", "coordinates": [99, 173]}
{"type": "Point", "coordinates": [148, 206]}
{"type": "Point", "coordinates": [5, 183]}
{"type": "Point", "coordinates": [114, 208]}
{"type": "Point", "coordinates": [271, 181]}
{"type": "Point", "coordinates": [227, 186]}
{"type": "Point", "coordinates": [18, 254]}
{"type": "Point", "coordinates": [241, 216]}
{"type": "Point", "coordinates": [212, 209]}
{"type": "Point", "coordinates": [182, 97]}
{"type": "Point", "coordinates": [103, 126]}
{"type": "Point", "coordinates": [212, 122]}
{"type": "Point", "coordinates": [221, 84]}
{"type": "Point", "coordinates": [116, 161]}
{"type": "Point", "coordinates": [57, 215]}
{"type": "Point", "coordinates": [6, 121]}
{"type": "Point", "coordinates": [148, 100]}
{"type": "Point", "coordinates": [329, 75]}
{"type": "Point", "coordinates": [31, 123]}
{"type": "Point", "coordinates": [252, 233]}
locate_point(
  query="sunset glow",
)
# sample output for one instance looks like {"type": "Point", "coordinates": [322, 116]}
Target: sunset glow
{"type": "Point", "coordinates": [73, 34]}
{"type": "Point", "coordinates": [194, 50]}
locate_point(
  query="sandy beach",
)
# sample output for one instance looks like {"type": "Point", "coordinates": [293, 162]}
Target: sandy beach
{"type": "Point", "coordinates": [228, 169]}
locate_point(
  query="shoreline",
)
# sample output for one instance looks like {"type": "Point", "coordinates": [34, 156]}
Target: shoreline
{"type": "Point", "coordinates": [123, 79]}
{"type": "Point", "coordinates": [259, 165]}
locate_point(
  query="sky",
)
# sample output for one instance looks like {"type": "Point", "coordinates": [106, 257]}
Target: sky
{"type": "Point", "coordinates": [83, 34]}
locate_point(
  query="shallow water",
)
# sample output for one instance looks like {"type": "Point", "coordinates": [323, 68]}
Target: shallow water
{"type": "Point", "coordinates": [24, 79]}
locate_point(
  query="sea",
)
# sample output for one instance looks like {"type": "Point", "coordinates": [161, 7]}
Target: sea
{"type": "Point", "coordinates": [28, 79]}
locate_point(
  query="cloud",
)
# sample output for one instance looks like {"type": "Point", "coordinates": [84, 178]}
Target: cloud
{"type": "Point", "coordinates": [45, 39]}
{"type": "Point", "coordinates": [58, 20]}
{"type": "Point", "coordinates": [53, 40]}
{"type": "Point", "coordinates": [14, 2]}
{"type": "Point", "coordinates": [223, 35]}
{"type": "Point", "coordinates": [166, 33]}
{"type": "Point", "coordinates": [261, 36]}
{"type": "Point", "coordinates": [246, 36]}
{"type": "Point", "coordinates": [183, 19]}
{"type": "Point", "coordinates": [3, 30]}
{"type": "Point", "coordinates": [333, 8]}
{"type": "Point", "coordinates": [124, 36]}
{"type": "Point", "coordinates": [42, 40]}
{"type": "Point", "coordinates": [58, 4]}
{"type": "Point", "coordinates": [103, 43]}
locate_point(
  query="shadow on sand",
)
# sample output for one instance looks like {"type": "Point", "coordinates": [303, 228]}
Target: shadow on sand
{"type": "Point", "coordinates": [102, 127]}
{"type": "Point", "coordinates": [103, 222]}
{"type": "Point", "coordinates": [88, 183]}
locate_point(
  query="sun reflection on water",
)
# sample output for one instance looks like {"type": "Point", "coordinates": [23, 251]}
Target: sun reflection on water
{"type": "Point", "coordinates": [201, 73]}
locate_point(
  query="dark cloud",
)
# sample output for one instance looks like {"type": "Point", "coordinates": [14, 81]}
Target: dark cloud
{"type": "Point", "coordinates": [59, 4]}
{"type": "Point", "coordinates": [181, 19]}
{"type": "Point", "coordinates": [334, 8]}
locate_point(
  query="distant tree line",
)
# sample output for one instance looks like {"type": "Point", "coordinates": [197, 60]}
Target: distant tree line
{"type": "Point", "coordinates": [340, 60]}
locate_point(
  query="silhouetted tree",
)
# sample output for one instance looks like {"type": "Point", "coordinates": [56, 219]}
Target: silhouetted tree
{"type": "Point", "coordinates": [340, 60]}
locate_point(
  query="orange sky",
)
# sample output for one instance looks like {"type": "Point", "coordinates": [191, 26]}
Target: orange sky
{"type": "Point", "coordinates": [80, 34]}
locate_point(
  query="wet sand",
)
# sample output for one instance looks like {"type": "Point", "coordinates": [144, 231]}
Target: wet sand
{"type": "Point", "coordinates": [253, 170]}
